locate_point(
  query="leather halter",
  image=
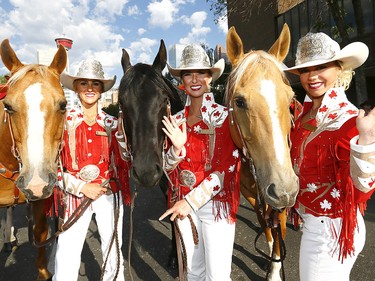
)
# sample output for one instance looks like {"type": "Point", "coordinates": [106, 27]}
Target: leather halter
{"type": "Point", "coordinates": [128, 152]}
{"type": "Point", "coordinates": [4, 171]}
{"type": "Point", "coordinates": [13, 175]}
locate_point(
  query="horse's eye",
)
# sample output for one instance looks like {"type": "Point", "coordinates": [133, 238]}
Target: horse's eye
{"type": "Point", "coordinates": [240, 102]}
{"type": "Point", "coordinates": [8, 108]}
{"type": "Point", "coordinates": [62, 106]}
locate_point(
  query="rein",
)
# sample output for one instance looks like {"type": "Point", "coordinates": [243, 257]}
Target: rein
{"type": "Point", "coordinates": [180, 245]}
{"type": "Point", "coordinates": [129, 156]}
{"type": "Point", "coordinates": [4, 171]}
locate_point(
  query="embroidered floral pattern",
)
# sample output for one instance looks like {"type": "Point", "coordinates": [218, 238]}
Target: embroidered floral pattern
{"type": "Point", "coordinates": [231, 168]}
{"type": "Point", "coordinates": [335, 193]}
{"type": "Point", "coordinates": [325, 205]}
{"type": "Point", "coordinates": [311, 187]}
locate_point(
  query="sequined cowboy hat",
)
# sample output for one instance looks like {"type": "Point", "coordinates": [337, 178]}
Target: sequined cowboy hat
{"type": "Point", "coordinates": [318, 48]}
{"type": "Point", "coordinates": [89, 69]}
{"type": "Point", "coordinates": [194, 57]}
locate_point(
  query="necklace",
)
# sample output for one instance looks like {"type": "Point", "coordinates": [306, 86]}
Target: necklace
{"type": "Point", "coordinates": [92, 120]}
{"type": "Point", "coordinates": [311, 115]}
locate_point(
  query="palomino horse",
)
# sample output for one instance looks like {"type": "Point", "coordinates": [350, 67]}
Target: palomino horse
{"type": "Point", "coordinates": [32, 115]}
{"type": "Point", "coordinates": [145, 96]}
{"type": "Point", "coordinates": [258, 97]}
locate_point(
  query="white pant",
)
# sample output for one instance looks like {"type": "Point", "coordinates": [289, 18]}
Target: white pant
{"type": "Point", "coordinates": [211, 259]}
{"type": "Point", "coordinates": [70, 242]}
{"type": "Point", "coordinates": [317, 260]}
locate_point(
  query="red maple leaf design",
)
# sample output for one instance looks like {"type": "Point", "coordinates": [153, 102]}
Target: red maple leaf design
{"type": "Point", "coordinates": [69, 118]}
{"type": "Point", "coordinates": [73, 110]}
{"type": "Point", "coordinates": [204, 109]}
{"type": "Point", "coordinates": [217, 113]}
{"type": "Point", "coordinates": [216, 188]}
{"type": "Point", "coordinates": [352, 112]}
{"type": "Point", "coordinates": [209, 178]}
{"type": "Point", "coordinates": [332, 116]}
{"type": "Point", "coordinates": [59, 178]}
{"type": "Point", "coordinates": [109, 121]}
{"type": "Point", "coordinates": [80, 115]}
{"type": "Point", "coordinates": [99, 118]}
{"type": "Point", "coordinates": [342, 104]}
{"type": "Point", "coordinates": [324, 108]}
{"type": "Point", "coordinates": [208, 98]}
{"type": "Point", "coordinates": [214, 105]}
{"type": "Point", "coordinates": [333, 94]}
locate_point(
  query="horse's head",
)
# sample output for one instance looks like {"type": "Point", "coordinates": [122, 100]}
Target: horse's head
{"type": "Point", "coordinates": [259, 97]}
{"type": "Point", "coordinates": [145, 96]}
{"type": "Point", "coordinates": [34, 109]}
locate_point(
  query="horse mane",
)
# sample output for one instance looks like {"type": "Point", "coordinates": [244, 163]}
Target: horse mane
{"type": "Point", "coordinates": [144, 70]}
{"type": "Point", "coordinates": [42, 70]}
{"type": "Point", "coordinates": [253, 61]}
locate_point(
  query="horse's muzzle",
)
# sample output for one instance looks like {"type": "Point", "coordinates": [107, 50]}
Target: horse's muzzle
{"type": "Point", "coordinates": [34, 191]}
{"type": "Point", "coordinates": [279, 199]}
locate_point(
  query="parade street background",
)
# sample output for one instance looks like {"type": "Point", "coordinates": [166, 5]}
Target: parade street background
{"type": "Point", "coordinates": [151, 245]}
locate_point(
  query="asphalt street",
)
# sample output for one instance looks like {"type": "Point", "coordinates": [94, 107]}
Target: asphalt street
{"type": "Point", "coordinates": [151, 245]}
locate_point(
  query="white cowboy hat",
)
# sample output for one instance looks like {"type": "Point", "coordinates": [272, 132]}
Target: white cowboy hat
{"type": "Point", "coordinates": [194, 57]}
{"type": "Point", "coordinates": [318, 48]}
{"type": "Point", "coordinates": [89, 69]}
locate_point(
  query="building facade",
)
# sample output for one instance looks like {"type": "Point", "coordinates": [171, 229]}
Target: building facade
{"type": "Point", "coordinates": [303, 17]}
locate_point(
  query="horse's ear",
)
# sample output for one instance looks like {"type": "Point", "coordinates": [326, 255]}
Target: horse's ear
{"type": "Point", "coordinates": [9, 57]}
{"type": "Point", "coordinates": [59, 60]}
{"type": "Point", "coordinates": [161, 58]}
{"type": "Point", "coordinates": [125, 60]}
{"type": "Point", "coordinates": [234, 46]}
{"type": "Point", "coordinates": [280, 48]}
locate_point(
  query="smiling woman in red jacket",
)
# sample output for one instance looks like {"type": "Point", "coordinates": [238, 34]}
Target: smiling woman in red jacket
{"type": "Point", "coordinates": [333, 227]}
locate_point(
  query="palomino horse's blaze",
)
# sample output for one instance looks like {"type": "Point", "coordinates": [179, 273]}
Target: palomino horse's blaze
{"type": "Point", "coordinates": [34, 107]}
{"type": "Point", "coordinates": [31, 126]}
{"type": "Point", "coordinates": [146, 96]}
{"type": "Point", "coordinates": [259, 98]}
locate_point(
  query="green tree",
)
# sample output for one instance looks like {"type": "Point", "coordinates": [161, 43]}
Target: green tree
{"type": "Point", "coordinates": [2, 79]}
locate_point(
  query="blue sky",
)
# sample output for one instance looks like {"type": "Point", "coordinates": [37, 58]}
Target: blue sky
{"type": "Point", "coordinates": [100, 29]}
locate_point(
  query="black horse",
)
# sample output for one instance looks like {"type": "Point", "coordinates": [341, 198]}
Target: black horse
{"type": "Point", "coordinates": [145, 96]}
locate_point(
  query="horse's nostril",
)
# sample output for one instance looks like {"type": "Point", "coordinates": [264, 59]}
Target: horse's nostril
{"type": "Point", "coordinates": [21, 182]}
{"type": "Point", "coordinates": [271, 192]}
{"type": "Point", "coordinates": [52, 179]}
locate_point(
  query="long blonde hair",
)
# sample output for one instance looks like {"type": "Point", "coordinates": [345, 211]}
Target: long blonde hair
{"type": "Point", "coordinates": [345, 77]}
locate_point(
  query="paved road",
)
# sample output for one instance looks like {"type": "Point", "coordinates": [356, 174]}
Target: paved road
{"type": "Point", "coordinates": [151, 246]}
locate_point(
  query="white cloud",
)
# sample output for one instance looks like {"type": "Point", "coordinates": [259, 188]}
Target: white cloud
{"type": "Point", "coordinates": [110, 8]}
{"type": "Point", "coordinates": [141, 31]}
{"type": "Point", "coordinates": [141, 51]}
{"type": "Point", "coordinates": [198, 32]}
{"type": "Point", "coordinates": [162, 14]}
{"type": "Point", "coordinates": [134, 11]}
{"type": "Point", "coordinates": [101, 28]}
{"type": "Point", "coordinates": [223, 24]}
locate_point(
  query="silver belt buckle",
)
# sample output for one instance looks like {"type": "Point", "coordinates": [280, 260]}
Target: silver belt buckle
{"type": "Point", "coordinates": [188, 178]}
{"type": "Point", "coordinates": [89, 172]}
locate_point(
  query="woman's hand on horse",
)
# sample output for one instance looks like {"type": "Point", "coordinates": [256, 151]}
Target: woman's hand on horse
{"type": "Point", "coordinates": [366, 127]}
{"type": "Point", "coordinates": [179, 210]}
{"type": "Point", "coordinates": [93, 190]}
{"type": "Point", "coordinates": [177, 136]}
